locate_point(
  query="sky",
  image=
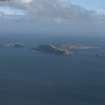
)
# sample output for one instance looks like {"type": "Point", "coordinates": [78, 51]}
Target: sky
{"type": "Point", "coordinates": [75, 14]}
{"type": "Point", "coordinates": [91, 4]}
{"type": "Point", "coordinates": [96, 5]}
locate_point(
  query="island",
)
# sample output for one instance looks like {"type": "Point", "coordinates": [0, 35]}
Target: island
{"type": "Point", "coordinates": [12, 45]}
{"type": "Point", "coordinates": [52, 49]}
{"type": "Point", "coordinates": [57, 49]}
{"type": "Point", "coordinates": [62, 49]}
{"type": "Point", "coordinates": [18, 45]}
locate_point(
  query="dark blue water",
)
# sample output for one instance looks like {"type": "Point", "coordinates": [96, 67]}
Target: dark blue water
{"type": "Point", "coordinates": [30, 78]}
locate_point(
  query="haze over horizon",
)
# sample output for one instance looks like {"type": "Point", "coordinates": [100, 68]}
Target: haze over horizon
{"type": "Point", "coordinates": [46, 16]}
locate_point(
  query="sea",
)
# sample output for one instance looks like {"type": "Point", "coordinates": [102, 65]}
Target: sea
{"type": "Point", "coordinates": [34, 78]}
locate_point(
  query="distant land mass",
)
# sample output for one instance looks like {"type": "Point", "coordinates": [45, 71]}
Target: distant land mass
{"type": "Point", "coordinates": [64, 49]}
{"type": "Point", "coordinates": [57, 49]}
{"type": "Point", "coordinates": [12, 45]}
{"type": "Point", "coordinates": [53, 50]}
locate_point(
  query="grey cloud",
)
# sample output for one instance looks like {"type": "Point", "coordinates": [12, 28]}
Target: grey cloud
{"type": "Point", "coordinates": [57, 10]}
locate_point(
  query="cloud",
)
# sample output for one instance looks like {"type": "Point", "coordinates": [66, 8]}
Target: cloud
{"type": "Point", "coordinates": [58, 10]}
{"type": "Point", "coordinates": [48, 17]}
{"type": "Point", "coordinates": [10, 11]}
{"type": "Point", "coordinates": [15, 2]}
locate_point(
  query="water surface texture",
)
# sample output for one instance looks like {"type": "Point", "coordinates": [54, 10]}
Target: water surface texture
{"type": "Point", "coordinates": [31, 78]}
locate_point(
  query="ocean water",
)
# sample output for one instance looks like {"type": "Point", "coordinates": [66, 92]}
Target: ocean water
{"type": "Point", "coordinates": [31, 78]}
